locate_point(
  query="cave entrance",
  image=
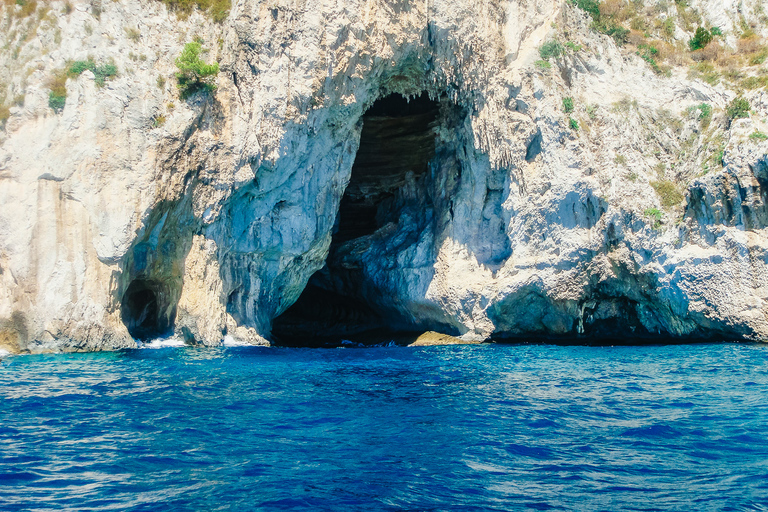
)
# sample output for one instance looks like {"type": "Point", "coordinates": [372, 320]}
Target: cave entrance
{"type": "Point", "coordinates": [143, 312]}
{"type": "Point", "coordinates": [397, 143]}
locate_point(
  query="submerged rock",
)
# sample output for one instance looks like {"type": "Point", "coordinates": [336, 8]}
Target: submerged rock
{"type": "Point", "coordinates": [405, 166]}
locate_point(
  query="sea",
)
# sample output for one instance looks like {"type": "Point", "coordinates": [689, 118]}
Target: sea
{"type": "Point", "coordinates": [456, 428]}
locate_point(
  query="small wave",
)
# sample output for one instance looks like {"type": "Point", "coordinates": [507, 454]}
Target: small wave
{"type": "Point", "coordinates": [4, 353]}
{"type": "Point", "coordinates": [162, 343]}
{"type": "Point", "coordinates": [231, 341]}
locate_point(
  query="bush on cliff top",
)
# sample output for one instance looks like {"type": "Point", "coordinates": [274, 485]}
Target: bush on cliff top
{"type": "Point", "coordinates": [194, 74]}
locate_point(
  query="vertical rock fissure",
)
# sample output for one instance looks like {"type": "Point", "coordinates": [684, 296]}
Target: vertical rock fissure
{"type": "Point", "coordinates": [397, 143]}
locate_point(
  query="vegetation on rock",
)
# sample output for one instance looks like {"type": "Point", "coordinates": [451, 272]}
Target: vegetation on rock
{"type": "Point", "coordinates": [651, 28]}
{"type": "Point", "coordinates": [568, 105]}
{"type": "Point", "coordinates": [668, 193]}
{"type": "Point", "coordinates": [217, 10]}
{"type": "Point", "coordinates": [5, 113]}
{"type": "Point", "coordinates": [57, 97]}
{"type": "Point", "coordinates": [738, 109]}
{"type": "Point", "coordinates": [101, 72]}
{"type": "Point", "coordinates": [655, 215]}
{"type": "Point", "coordinates": [194, 74]}
{"type": "Point", "coordinates": [700, 39]}
{"type": "Point", "coordinates": [551, 49]}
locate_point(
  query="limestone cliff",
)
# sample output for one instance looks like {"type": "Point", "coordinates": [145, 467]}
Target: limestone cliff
{"type": "Point", "coordinates": [405, 165]}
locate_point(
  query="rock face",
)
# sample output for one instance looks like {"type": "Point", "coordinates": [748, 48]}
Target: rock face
{"type": "Point", "coordinates": [378, 163]}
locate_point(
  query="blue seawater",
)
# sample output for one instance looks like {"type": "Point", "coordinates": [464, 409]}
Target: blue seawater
{"type": "Point", "coordinates": [488, 427]}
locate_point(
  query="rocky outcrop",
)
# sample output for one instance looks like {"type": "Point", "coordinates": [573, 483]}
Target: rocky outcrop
{"type": "Point", "coordinates": [403, 165]}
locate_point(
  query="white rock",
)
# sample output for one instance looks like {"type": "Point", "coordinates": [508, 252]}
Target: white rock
{"type": "Point", "coordinates": [227, 209]}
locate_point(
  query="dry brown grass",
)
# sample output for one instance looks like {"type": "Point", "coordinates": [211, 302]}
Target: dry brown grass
{"type": "Point", "coordinates": [750, 44]}
{"type": "Point", "coordinates": [5, 113]}
{"type": "Point", "coordinates": [218, 10]}
{"type": "Point", "coordinates": [675, 55]}
{"type": "Point", "coordinates": [58, 82]}
{"type": "Point", "coordinates": [636, 37]}
{"type": "Point", "coordinates": [611, 8]}
{"type": "Point", "coordinates": [28, 7]}
{"type": "Point", "coordinates": [712, 52]}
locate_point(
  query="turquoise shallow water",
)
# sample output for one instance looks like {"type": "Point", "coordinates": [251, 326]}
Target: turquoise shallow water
{"type": "Point", "coordinates": [489, 427]}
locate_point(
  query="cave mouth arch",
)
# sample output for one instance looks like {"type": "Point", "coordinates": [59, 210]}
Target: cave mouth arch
{"type": "Point", "coordinates": [143, 310]}
{"type": "Point", "coordinates": [397, 143]}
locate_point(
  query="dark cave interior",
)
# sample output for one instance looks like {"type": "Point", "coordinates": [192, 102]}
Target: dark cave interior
{"type": "Point", "coordinates": [396, 144]}
{"type": "Point", "coordinates": [142, 310]}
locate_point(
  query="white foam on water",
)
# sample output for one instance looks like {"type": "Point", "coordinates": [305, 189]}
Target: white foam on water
{"type": "Point", "coordinates": [4, 353]}
{"type": "Point", "coordinates": [231, 341]}
{"type": "Point", "coordinates": [163, 343]}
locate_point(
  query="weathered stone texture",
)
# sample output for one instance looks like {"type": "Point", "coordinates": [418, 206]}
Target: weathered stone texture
{"type": "Point", "coordinates": [519, 226]}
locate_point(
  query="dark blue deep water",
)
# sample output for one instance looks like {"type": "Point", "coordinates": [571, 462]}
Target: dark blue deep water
{"type": "Point", "coordinates": [489, 427]}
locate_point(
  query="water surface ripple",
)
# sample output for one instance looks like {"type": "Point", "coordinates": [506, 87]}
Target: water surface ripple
{"type": "Point", "coordinates": [489, 427]}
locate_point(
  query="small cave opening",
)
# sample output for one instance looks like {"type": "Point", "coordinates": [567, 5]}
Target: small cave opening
{"type": "Point", "coordinates": [397, 142]}
{"type": "Point", "coordinates": [143, 312]}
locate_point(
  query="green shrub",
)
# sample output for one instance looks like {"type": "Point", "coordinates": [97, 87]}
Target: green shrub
{"type": "Point", "coordinates": [703, 113]}
{"type": "Point", "coordinates": [668, 193]}
{"type": "Point", "coordinates": [655, 215]}
{"type": "Point", "coordinates": [573, 46]}
{"type": "Point", "coordinates": [649, 53]}
{"type": "Point", "coordinates": [79, 66]}
{"type": "Point", "coordinates": [568, 105]}
{"type": "Point", "coordinates": [102, 72]}
{"type": "Point", "coordinates": [574, 124]}
{"type": "Point", "coordinates": [617, 32]}
{"type": "Point", "coordinates": [57, 101]}
{"type": "Point", "coordinates": [603, 24]}
{"type": "Point", "coordinates": [592, 7]}
{"type": "Point", "coordinates": [738, 109]}
{"type": "Point", "coordinates": [58, 86]}
{"type": "Point", "coordinates": [700, 39]}
{"type": "Point", "coordinates": [551, 49]}
{"type": "Point", "coordinates": [758, 137]}
{"type": "Point", "coordinates": [715, 31]}
{"type": "Point", "coordinates": [195, 75]}
{"type": "Point", "coordinates": [543, 64]}
{"type": "Point", "coordinates": [706, 111]}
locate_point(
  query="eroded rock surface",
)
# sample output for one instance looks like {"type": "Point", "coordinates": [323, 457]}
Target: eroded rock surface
{"type": "Point", "coordinates": [480, 213]}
